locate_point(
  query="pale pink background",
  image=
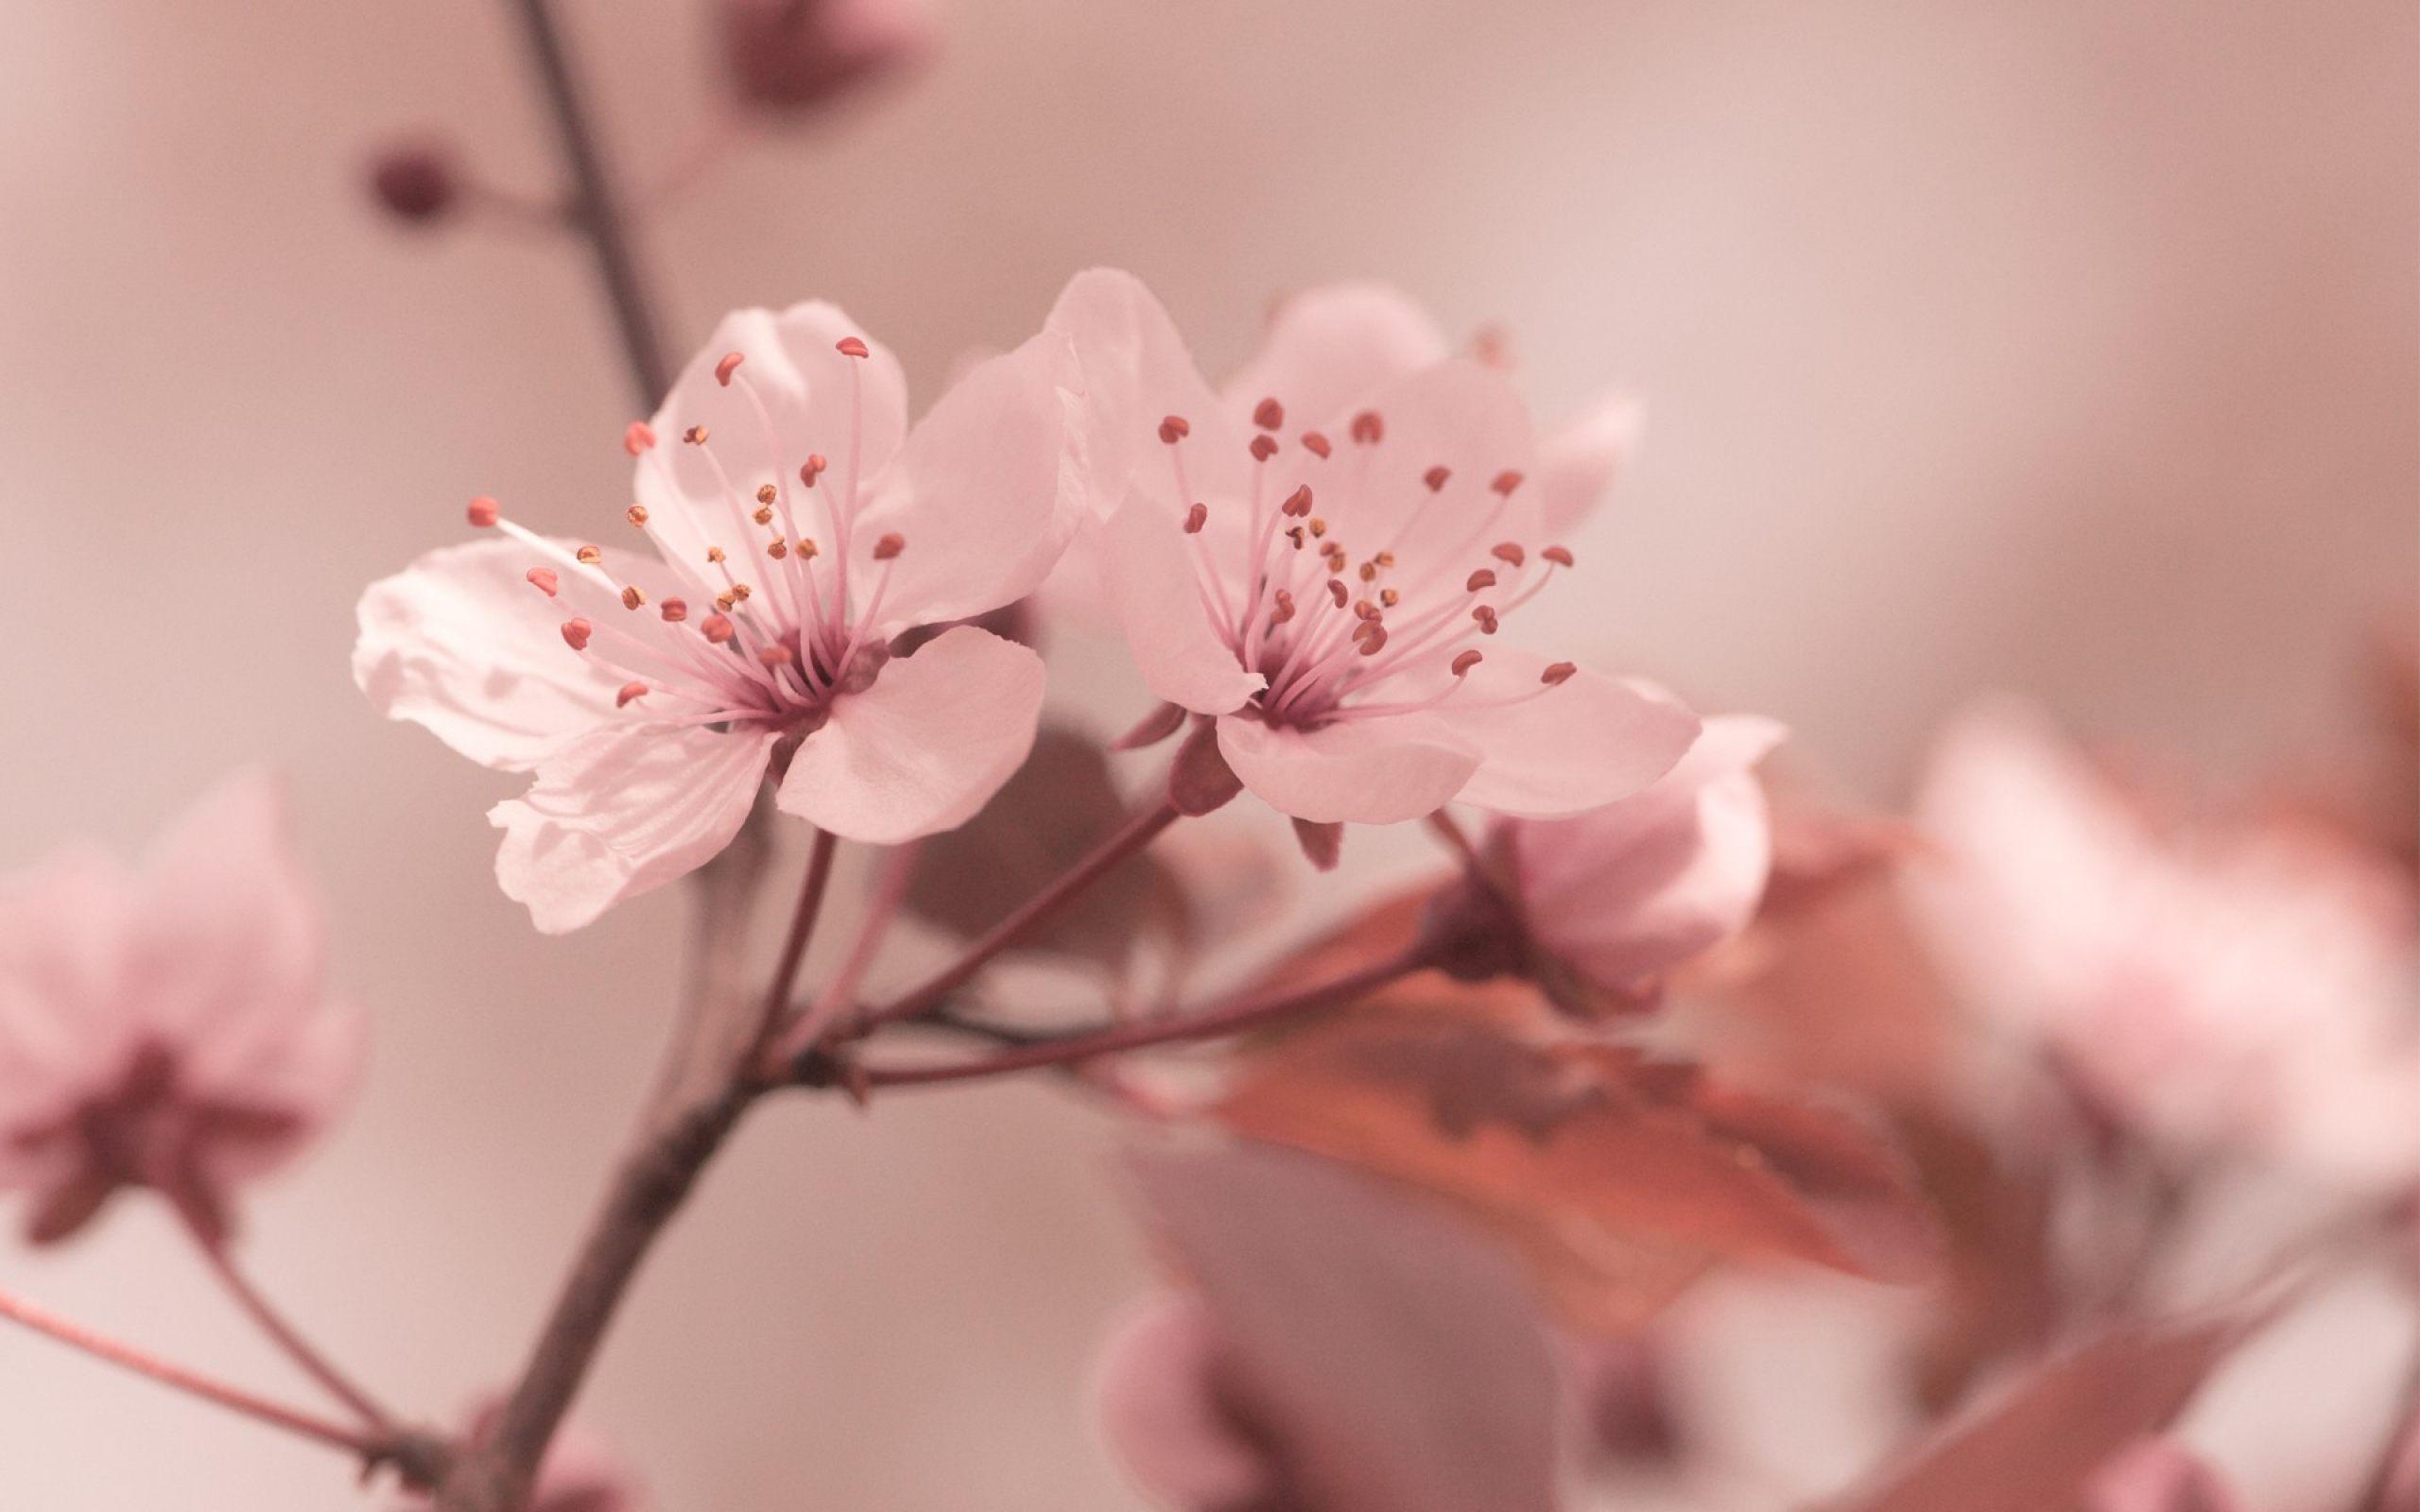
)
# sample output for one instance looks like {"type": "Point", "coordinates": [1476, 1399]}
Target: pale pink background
{"type": "Point", "coordinates": [2068, 344]}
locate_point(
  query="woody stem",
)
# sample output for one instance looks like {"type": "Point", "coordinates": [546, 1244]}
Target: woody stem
{"type": "Point", "coordinates": [286, 1336]}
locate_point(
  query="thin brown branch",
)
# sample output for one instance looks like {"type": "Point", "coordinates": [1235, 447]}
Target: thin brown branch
{"type": "Point", "coordinates": [288, 1338]}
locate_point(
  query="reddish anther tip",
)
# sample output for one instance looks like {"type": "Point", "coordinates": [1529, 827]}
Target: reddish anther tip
{"type": "Point", "coordinates": [1560, 556]}
{"type": "Point", "coordinates": [1268, 413]}
{"type": "Point", "coordinates": [1174, 429]}
{"type": "Point", "coordinates": [1336, 589]}
{"type": "Point", "coordinates": [638, 438]}
{"type": "Point", "coordinates": [631, 597]}
{"type": "Point", "coordinates": [1373, 637]}
{"type": "Point", "coordinates": [1263, 448]}
{"type": "Point", "coordinates": [483, 512]}
{"type": "Point", "coordinates": [715, 628]}
{"type": "Point", "coordinates": [544, 581]}
{"type": "Point", "coordinates": [1194, 517]}
{"type": "Point", "coordinates": [1463, 662]}
{"type": "Point", "coordinates": [576, 633]}
{"type": "Point", "coordinates": [695, 436]}
{"type": "Point", "coordinates": [675, 611]}
{"type": "Point", "coordinates": [1486, 618]}
{"type": "Point", "coordinates": [1435, 477]}
{"type": "Point", "coordinates": [776, 655]}
{"type": "Point", "coordinates": [1509, 551]}
{"type": "Point", "coordinates": [1316, 444]}
{"type": "Point", "coordinates": [812, 469]}
{"type": "Point", "coordinates": [1298, 503]}
{"type": "Point", "coordinates": [1285, 609]}
{"type": "Point", "coordinates": [628, 692]}
{"type": "Point", "coordinates": [729, 363]}
{"type": "Point", "coordinates": [636, 514]}
{"type": "Point", "coordinates": [1558, 673]}
{"type": "Point", "coordinates": [852, 347]}
{"type": "Point", "coordinates": [1484, 578]}
{"type": "Point", "coordinates": [1369, 428]}
{"type": "Point", "coordinates": [890, 546]}
{"type": "Point", "coordinates": [1505, 482]}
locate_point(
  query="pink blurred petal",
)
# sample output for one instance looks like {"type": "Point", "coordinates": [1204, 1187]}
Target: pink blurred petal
{"type": "Point", "coordinates": [1580, 461]}
{"type": "Point", "coordinates": [1577, 745]}
{"type": "Point", "coordinates": [623, 810]}
{"type": "Point", "coordinates": [926, 746]}
{"type": "Point", "coordinates": [1162, 1407]}
{"type": "Point", "coordinates": [2160, 1475]}
{"type": "Point", "coordinates": [1332, 348]}
{"type": "Point", "coordinates": [1380, 771]}
{"type": "Point", "coordinates": [1627, 891]}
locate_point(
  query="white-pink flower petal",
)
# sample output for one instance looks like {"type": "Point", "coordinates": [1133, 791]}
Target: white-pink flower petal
{"type": "Point", "coordinates": [1579, 745]}
{"type": "Point", "coordinates": [925, 748]}
{"type": "Point", "coordinates": [1381, 770]}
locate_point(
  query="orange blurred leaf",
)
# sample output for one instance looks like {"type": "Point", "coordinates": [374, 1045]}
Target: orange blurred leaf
{"type": "Point", "coordinates": [1620, 1179]}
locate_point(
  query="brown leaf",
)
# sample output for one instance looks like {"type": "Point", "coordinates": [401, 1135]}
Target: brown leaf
{"type": "Point", "coordinates": [1622, 1179]}
{"type": "Point", "coordinates": [1059, 805]}
{"type": "Point", "coordinates": [2036, 1447]}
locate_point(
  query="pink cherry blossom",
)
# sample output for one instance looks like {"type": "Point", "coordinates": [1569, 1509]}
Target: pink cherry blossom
{"type": "Point", "coordinates": [166, 1025]}
{"type": "Point", "coordinates": [798, 55]}
{"type": "Point", "coordinates": [799, 527]}
{"type": "Point", "coordinates": [1349, 1350]}
{"type": "Point", "coordinates": [1322, 558]}
{"type": "Point", "coordinates": [1624, 893]}
{"type": "Point", "coordinates": [2233, 986]}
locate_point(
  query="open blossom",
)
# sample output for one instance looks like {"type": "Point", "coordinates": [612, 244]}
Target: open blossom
{"type": "Point", "coordinates": [2241, 986]}
{"type": "Point", "coordinates": [798, 527]}
{"type": "Point", "coordinates": [1322, 559]}
{"type": "Point", "coordinates": [167, 1025]}
{"type": "Point", "coordinates": [1624, 893]}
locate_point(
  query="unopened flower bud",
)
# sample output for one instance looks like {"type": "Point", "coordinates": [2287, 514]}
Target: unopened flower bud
{"type": "Point", "coordinates": [416, 182]}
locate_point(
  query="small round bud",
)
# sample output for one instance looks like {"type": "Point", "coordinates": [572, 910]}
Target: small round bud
{"type": "Point", "coordinates": [417, 182]}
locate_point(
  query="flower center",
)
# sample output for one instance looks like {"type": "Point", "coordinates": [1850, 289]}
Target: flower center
{"type": "Point", "coordinates": [1328, 626]}
{"type": "Point", "coordinates": [728, 645]}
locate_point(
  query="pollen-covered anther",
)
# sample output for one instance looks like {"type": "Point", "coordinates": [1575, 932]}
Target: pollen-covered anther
{"type": "Point", "coordinates": [1336, 589]}
{"type": "Point", "coordinates": [890, 546]}
{"type": "Point", "coordinates": [544, 581]}
{"type": "Point", "coordinates": [1195, 518]}
{"type": "Point", "coordinates": [1364, 609]}
{"type": "Point", "coordinates": [726, 602]}
{"type": "Point", "coordinates": [715, 628]}
{"type": "Point", "coordinates": [807, 550]}
{"type": "Point", "coordinates": [1298, 503]}
{"type": "Point", "coordinates": [674, 611]}
{"type": "Point", "coordinates": [638, 437]}
{"type": "Point", "coordinates": [1389, 599]}
{"type": "Point", "coordinates": [714, 554]}
{"type": "Point", "coordinates": [852, 347]}
{"type": "Point", "coordinates": [1316, 444]}
{"type": "Point", "coordinates": [1263, 448]}
{"type": "Point", "coordinates": [1484, 578]}
{"type": "Point", "coordinates": [777, 549]}
{"type": "Point", "coordinates": [628, 692]}
{"type": "Point", "coordinates": [483, 512]}
{"type": "Point", "coordinates": [1435, 477]}
{"type": "Point", "coordinates": [1505, 482]}
{"type": "Point", "coordinates": [777, 655]}
{"type": "Point", "coordinates": [631, 597]}
{"type": "Point", "coordinates": [1173, 429]}
{"type": "Point", "coordinates": [1486, 617]}
{"type": "Point", "coordinates": [589, 555]}
{"type": "Point", "coordinates": [763, 514]}
{"type": "Point", "coordinates": [1268, 413]}
{"type": "Point", "coordinates": [695, 436]}
{"type": "Point", "coordinates": [1369, 428]}
{"type": "Point", "coordinates": [1558, 673]}
{"type": "Point", "coordinates": [1368, 572]}
{"type": "Point", "coordinates": [812, 468]}
{"type": "Point", "coordinates": [729, 363]}
{"type": "Point", "coordinates": [636, 514]}
{"type": "Point", "coordinates": [576, 633]}
{"type": "Point", "coordinates": [767, 493]}
{"type": "Point", "coordinates": [1560, 556]}
{"type": "Point", "coordinates": [1509, 552]}
{"type": "Point", "coordinates": [1285, 609]}
{"type": "Point", "coordinates": [740, 592]}
{"type": "Point", "coordinates": [1463, 662]}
